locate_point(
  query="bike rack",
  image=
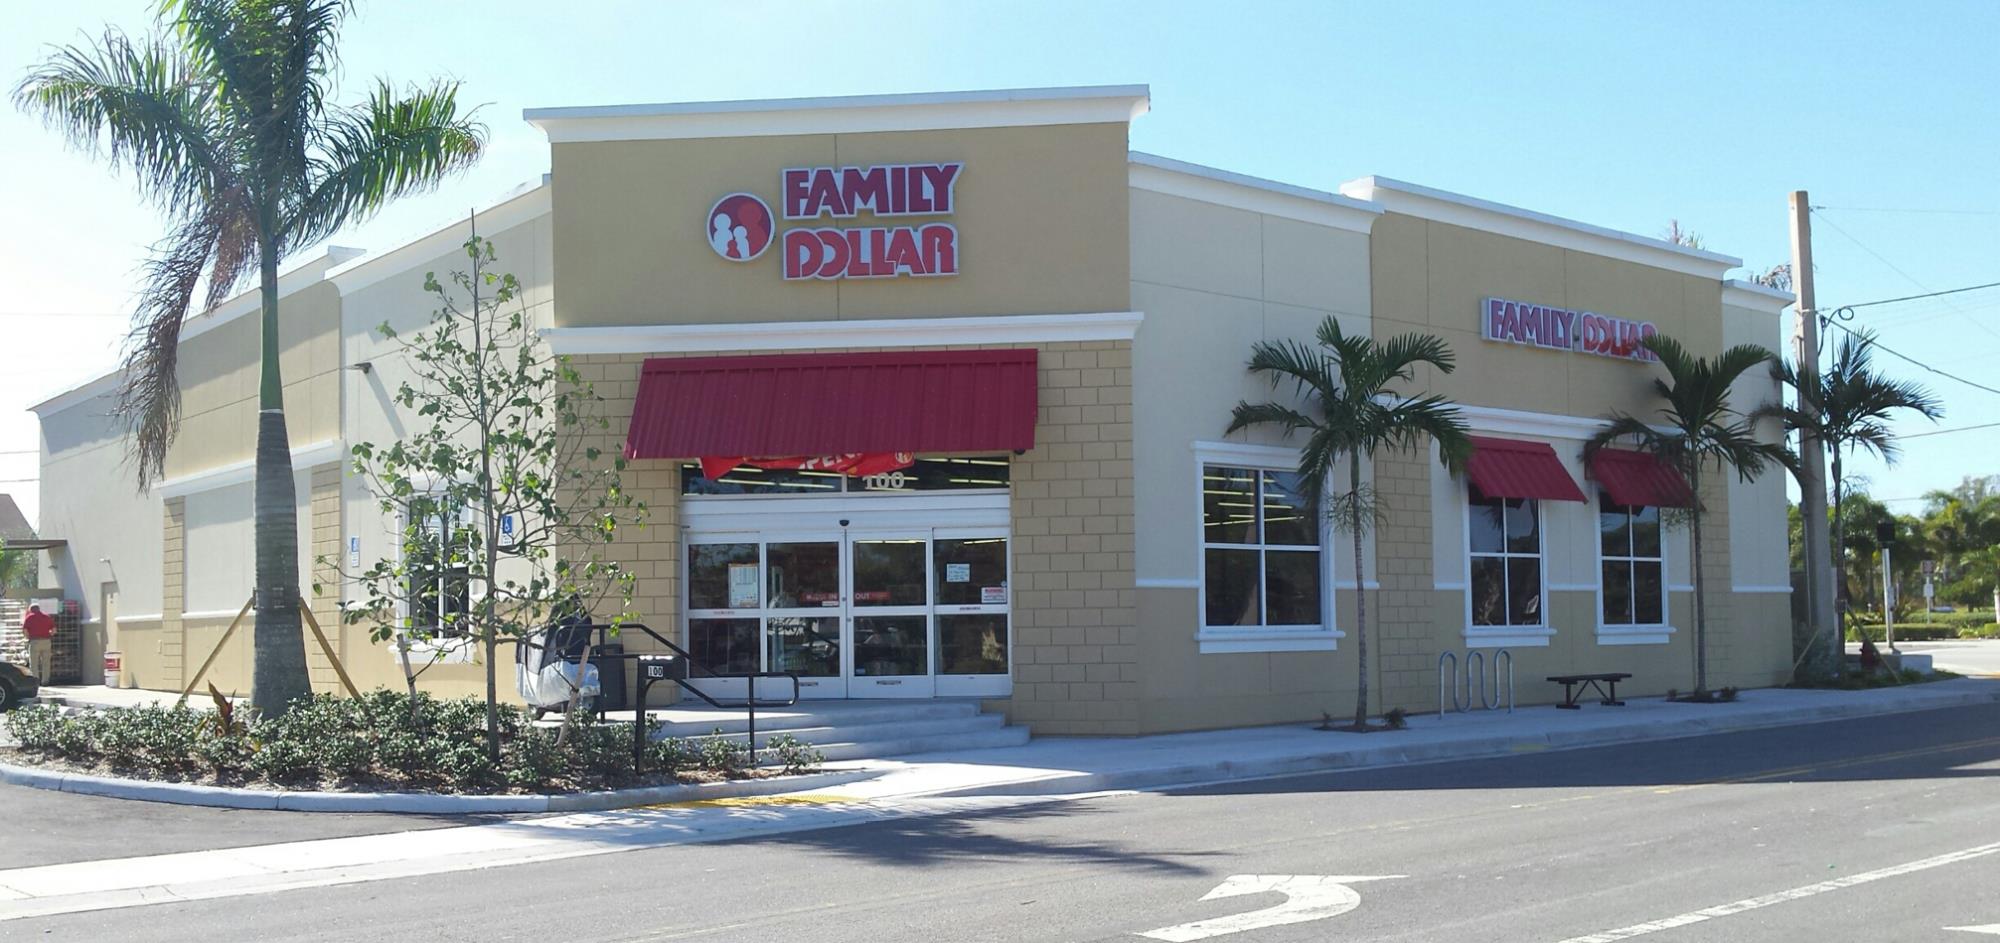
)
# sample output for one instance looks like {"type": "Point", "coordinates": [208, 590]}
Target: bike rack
{"type": "Point", "coordinates": [1447, 681]}
{"type": "Point", "coordinates": [1459, 683]}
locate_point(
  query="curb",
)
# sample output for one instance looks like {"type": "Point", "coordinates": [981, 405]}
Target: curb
{"type": "Point", "coordinates": [229, 797]}
{"type": "Point", "coordinates": [1221, 771]}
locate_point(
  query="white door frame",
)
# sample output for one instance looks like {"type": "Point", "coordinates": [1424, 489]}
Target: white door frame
{"type": "Point", "coordinates": [766, 519]}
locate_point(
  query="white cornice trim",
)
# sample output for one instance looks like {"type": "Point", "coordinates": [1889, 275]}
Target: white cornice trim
{"type": "Point", "coordinates": [995, 108]}
{"type": "Point", "coordinates": [1756, 297]}
{"type": "Point", "coordinates": [304, 275]}
{"type": "Point", "coordinates": [1473, 213]}
{"type": "Point", "coordinates": [522, 204]}
{"type": "Point", "coordinates": [1158, 582]}
{"type": "Point", "coordinates": [1520, 422]}
{"type": "Point", "coordinates": [814, 335]}
{"type": "Point", "coordinates": [236, 473]}
{"type": "Point", "coordinates": [1255, 194]}
{"type": "Point", "coordinates": [82, 393]}
{"type": "Point", "coordinates": [299, 275]}
{"type": "Point", "coordinates": [1244, 453]}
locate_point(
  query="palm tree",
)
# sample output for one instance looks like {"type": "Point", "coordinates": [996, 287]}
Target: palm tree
{"type": "Point", "coordinates": [1696, 429]}
{"type": "Point", "coordinates": [1352, 413]}
{"type": "Point", "coordinates": [224, 119]}
{"type": "Point", "coordinates": [1848, 410]}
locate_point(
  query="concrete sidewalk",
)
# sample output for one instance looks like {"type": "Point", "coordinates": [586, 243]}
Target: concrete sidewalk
{"type": "Point", "coordinates": [1057, 766]}
{"type": "Point", "coordinates": [101, 697]}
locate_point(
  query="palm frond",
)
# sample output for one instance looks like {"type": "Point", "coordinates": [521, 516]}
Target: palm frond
{"type": "Point", "coordinates": [139, 106]}
{"type": "Point", "coordinates": [149, 401]}
{"type": "Point", "coordinates": [1310, 371]}
{"type": "Point", "coordinates": [389, 148]}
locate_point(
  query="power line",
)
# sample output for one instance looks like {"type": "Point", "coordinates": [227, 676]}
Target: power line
{"type": "Point", "coordinates": [1907, 209]}
{"type": "Point", "coordinates": [1912, 279]}
{"type": "Point", "coordinates": [1934, 294]}
{"type": "Point", "coordinates": [1878, 345]}
{"type": "Point", "coordinates": [1919, 435]}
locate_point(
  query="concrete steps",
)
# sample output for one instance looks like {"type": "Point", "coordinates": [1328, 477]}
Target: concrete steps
{"type": "Point", "coordinates": [855, 730]}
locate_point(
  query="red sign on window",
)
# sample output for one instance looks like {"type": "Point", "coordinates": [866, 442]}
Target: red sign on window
{"type": "Point", "coordinates": [849, 463]}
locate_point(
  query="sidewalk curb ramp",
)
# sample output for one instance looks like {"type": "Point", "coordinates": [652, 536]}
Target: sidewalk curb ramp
{"type": "Point", "coordinates": [226, 797]}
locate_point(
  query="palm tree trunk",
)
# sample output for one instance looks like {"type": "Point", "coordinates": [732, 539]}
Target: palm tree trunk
{"type": "Point", "coordinates": [1360, 594]}
{"type": "Point", "coordinates": [278, 673]}
{"type": "Point", "coordinates": [1700, 590]}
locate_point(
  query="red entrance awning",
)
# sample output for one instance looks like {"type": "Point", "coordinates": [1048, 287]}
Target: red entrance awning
{"type": "Point", "coordinates": [765, 407]}
{"type": "Point", "coordinates": [1640, 479]}
{"type": "Point", "coordinates": [1507, 468]}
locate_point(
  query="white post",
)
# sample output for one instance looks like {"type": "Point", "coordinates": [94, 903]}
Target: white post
{"type": "Point", "coordinates": [1888, 601]}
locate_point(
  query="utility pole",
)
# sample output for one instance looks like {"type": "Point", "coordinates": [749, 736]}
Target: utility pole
{"type": "Point", "coordinates": [1820, 568]}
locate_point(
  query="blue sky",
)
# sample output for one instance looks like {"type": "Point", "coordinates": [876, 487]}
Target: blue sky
{"type": "Point", "coordinates": [1623, 115]}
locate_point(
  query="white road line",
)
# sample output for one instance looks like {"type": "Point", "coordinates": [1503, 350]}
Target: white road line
{"type": "Point", "coordinates": [1810, 890]}
{"type": "Point", "coordinates": [1992, 929]}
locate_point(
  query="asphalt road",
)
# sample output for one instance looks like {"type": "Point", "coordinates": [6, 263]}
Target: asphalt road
{"type": "Point", "coordinates": [39, 827]}
{"type": "Point", "coordinates": [1743, 837]}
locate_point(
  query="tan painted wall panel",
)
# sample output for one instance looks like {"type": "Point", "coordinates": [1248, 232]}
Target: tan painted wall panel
{"type": "Point", "coordinates": [1041, 216]}
{"type": "Point", "coordinates": [219, 372]}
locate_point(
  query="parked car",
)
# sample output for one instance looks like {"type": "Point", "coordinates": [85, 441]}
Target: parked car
{"type": "Point", "coordinates": [16, 685]}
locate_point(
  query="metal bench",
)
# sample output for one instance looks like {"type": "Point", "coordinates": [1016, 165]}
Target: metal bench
{"type": "Point", "coordinates": [1605, 684]}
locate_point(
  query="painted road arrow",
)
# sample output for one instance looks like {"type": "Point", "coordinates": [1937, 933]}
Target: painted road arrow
{"type": "Point", "coordinates": [1307, 897]}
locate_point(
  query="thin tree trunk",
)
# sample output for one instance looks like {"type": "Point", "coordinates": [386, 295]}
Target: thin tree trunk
{"type": "Point", "coordinates": [1700, 592]}
{"type": "Point", "coordinates": [278, 672]}
{"type": "Point", "coordinates": [1360, 594]}
{"type": "Point", "coordinates": [489, 534]}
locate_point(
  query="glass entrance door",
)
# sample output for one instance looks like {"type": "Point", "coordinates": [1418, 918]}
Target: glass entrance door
{"type": "Point", "coordinates": [891, 614]}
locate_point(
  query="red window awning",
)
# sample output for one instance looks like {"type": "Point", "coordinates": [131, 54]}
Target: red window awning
{"type": "Point", "coordinates": [779, 405]}
{"type": "Point", "coordinates": [1508, 468]}
{"type": "Point", "coordinates": [1640, 479]}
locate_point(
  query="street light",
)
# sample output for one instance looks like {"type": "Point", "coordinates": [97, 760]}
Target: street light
{"type": "Point", "coordinates": [1885, 535]}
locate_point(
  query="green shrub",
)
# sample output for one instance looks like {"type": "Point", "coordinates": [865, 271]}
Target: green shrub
{"type": "Point", "coordinates": [384, 735]}
{"type": "Point", "coordinates": [532, 761]}
{"type": "Point", "coordinates": [36, 727]}
{"type": "Point", "coordinates": [795, 755]}
{"type": "Point", "coordinates": [671, 755]}
{"type": "Point", "coordinates": [722, 753]}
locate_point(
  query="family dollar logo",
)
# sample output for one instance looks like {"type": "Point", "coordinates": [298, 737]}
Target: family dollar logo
{"type": "Point", "coordinates": [739, 227]}
{"type": "Point", "coordinates": [825, 245]}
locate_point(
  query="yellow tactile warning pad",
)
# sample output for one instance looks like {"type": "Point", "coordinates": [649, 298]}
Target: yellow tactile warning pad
{"type": "Point", "coordinates": [800, 798]}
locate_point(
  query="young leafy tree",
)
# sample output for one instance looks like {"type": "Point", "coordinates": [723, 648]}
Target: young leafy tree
{"type": "Point", "coordinates": [1849, 410]}
{"type": "Point", "coordinates": [1696, 430]}
{"type": "Point", "coordinates": [1352, 411]}
{"type": "Point", "coordinates": [226, 120]}
{"type": "Point", "coordinates": [505, 503]}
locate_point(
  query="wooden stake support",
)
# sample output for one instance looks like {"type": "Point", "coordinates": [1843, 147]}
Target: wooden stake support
{"type": "Point", "coordinates": [312, 625]}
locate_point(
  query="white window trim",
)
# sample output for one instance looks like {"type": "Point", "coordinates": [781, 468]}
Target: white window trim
{"type": "Point", "coordinates": [1659, 634]}
{"type": "Point", "coordinates": [1324, 637]}
{"type": "Point", "coordinates": [431, 651]}
{"type": "Point", "coordinates": [1509, 636]}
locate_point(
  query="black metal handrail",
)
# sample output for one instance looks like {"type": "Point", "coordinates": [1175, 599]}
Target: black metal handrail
{"type": "Point", "coordinates": [659, 669]}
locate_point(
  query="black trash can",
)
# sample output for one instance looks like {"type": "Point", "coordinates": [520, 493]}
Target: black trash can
{"type": "Point", "coordinates": [611, 677]}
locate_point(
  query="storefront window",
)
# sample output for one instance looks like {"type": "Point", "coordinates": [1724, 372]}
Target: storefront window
{"type": "Point", "coordinates": [1631, 564]}
{"type": "Point", "coordinates": [1506, 545]}
{"type": "Point", "coordinates": [1260, 550]}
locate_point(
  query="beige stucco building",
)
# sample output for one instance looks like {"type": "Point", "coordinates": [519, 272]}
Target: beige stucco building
{"type": "Point", "coordinates": [1029, 339]}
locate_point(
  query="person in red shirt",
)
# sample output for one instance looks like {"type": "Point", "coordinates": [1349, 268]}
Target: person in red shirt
{"type": "Point", "coordinates": [41, 632]}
